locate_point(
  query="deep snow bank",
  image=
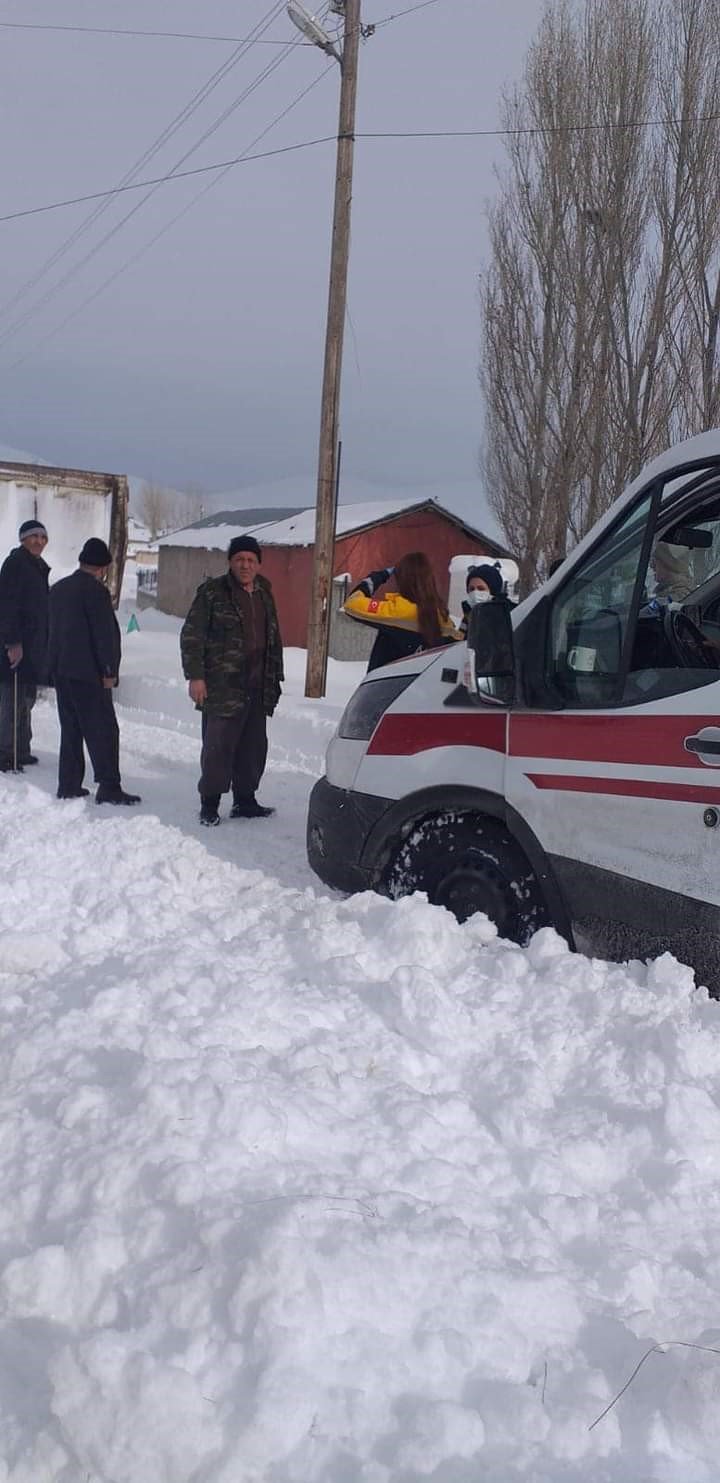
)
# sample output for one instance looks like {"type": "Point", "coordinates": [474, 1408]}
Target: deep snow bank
{"type": "Point", "coordinates": [301, 1189]}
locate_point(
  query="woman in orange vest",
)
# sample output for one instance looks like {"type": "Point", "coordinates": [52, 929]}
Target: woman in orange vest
{"type": "Point", "coordinates": [408, 620]}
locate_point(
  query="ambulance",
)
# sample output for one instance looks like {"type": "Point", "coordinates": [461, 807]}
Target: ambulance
{"type": "Point", "coordinates": [563, 765]}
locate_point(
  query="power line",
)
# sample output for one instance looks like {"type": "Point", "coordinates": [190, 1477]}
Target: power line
{"type": "Point", "coordinates": [123, 31]}
{"type": "Point", "coordinates": [146, 247]}
{"type": "Point", "coordinates": [188, 35]}
{"type": "Point", "coordinates": [240, 159]}
{"type": "Point", "coordinates": [11, 330]}
{"type": "Point", "coordinates": [422, 5]}
{"type": "Point", "coordinates": [51, 293]}
{"type": "Point", "coordinates": [648, 123]}
{"type": "Point", "coordinates": [105, 199]}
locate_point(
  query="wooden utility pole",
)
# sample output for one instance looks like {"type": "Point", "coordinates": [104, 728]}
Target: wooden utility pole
{"type": "Point", "coordinates": [322, 572]}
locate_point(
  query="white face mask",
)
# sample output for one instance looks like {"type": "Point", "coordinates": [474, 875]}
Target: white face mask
{"type": "Point", "coordinates": [476, 596]}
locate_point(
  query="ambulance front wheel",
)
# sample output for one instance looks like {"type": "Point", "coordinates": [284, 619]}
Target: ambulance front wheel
{"type": "Point", "coordinates": [470, 864]}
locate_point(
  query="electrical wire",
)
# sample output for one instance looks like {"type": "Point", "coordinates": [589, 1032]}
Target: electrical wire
{"type": "Point", "coordinates": [647, 123]}
{"type": "Point", "coordinates": [142, 251]}
{"type": "Point", "coordinates": [122, 31]}
{"type": "Point", "coordinates": [188, 35]}
{"type": "Point", "coordinates": [421, 5]}
{"type": "Point", "coordinates": [195, 102]}
{"type": "Point", "coordinates": [10, 330]}
{"type": "Point", "coordinates": [178, 175]}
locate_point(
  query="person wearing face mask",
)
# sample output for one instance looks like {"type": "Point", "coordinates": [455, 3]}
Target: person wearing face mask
{"type": "Point", "coordinates": [483, 583]}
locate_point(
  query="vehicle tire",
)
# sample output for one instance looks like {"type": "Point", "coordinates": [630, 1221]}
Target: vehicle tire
{"type": "Point", "coordinates": [469, 863]}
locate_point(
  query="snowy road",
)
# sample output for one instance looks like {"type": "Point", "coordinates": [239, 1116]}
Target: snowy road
{"type": "Point", "coordinates": [299, 1190]}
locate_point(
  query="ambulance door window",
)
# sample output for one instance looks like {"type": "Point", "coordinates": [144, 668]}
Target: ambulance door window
{"type": "Point", "coordinates": [676, 646]}
{"type": "Point", "coordinates": [591, 613]}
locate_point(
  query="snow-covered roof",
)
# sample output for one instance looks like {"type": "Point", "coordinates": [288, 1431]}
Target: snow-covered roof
{"type": "Point", "coordinates": [297, 528]}
{"type": "Point", "coordinates": [244, 519]}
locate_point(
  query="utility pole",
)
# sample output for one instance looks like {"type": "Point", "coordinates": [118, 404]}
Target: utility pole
{"type": "Point", "coordinates": [322, 572]}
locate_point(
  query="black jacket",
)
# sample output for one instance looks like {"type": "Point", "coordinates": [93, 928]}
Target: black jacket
{"type": "Point", "coordinates": [24, 614]}
{"type": "Point", "coordinates": [84, 634]}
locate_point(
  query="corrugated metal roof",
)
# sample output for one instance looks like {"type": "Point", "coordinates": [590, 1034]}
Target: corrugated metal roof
{"type": "Point", "coordinates": [243, 519]}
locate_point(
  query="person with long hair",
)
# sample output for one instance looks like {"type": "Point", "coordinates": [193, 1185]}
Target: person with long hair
{"type": "Point", "coordinates": [407, 620]}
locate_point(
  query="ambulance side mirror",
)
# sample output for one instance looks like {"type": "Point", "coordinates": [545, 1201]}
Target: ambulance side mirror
{"type": "Point", "coordinates": [491, 655]}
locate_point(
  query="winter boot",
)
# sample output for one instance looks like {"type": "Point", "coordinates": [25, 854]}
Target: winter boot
{"type": "Point", "coordinates": [249, 808]}
{"type": "Point", "coordinates": [7, 765]}
{"type": "Point", "coordinates": [28, 761]}
{"type": "Point", "coordinates": [209, 810]}
{"type": "Point", "coordinates": [113, 793]}
{"type": "Point", "coordinates": [77, 793]}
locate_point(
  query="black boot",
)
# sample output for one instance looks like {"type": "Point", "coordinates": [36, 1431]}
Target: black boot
{"type": "Point", "coordinates": [7, 765]}
{"type": "Point", "coordinates": [209, 810]}
{"type": "Point", "coordinates": [249, 808]}
{"type": "Point", "coordinates": [28, 761]}
{"type": "Point", "coordinates": [113, 793]}
{"type": "Point", "coordinates": [76, 793]}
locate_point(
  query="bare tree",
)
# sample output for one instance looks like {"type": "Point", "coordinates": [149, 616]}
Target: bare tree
{"type": "Point", "coordinates": [601, 299]}
{"type": "Point", "coordinates": [163, 509]}
{"type": "Point", "coordinates": [154, 509]}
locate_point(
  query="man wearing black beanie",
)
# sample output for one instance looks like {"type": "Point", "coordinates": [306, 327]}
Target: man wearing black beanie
{"type": "Point", "coordinates": [84, 659]}
{"type": "Point", "coordinates": [23, 642]}
{"type": "Point", "coordinates": [232, 658]}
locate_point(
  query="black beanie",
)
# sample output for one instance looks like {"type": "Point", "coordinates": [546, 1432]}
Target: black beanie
{"type": "Point", "coordinates": [244, 543]}
{"type": "Point", "coordinates": [95, 553]}
{"type": "Point", "coordinates": [491, 576]}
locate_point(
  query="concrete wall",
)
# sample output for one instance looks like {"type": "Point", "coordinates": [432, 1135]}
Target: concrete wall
{"type": "Point", "coordinates": [348, 639]}
{"type": "Point", "coordinates": [181, 569]}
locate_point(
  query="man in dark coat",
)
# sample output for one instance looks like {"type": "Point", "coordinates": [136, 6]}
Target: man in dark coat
{"type": "Point", "coordinates": [232, 657]}
{"type": "Point", "coordinates": [84, 659]}
{"type": "Point", "coordinates": [23, 642]}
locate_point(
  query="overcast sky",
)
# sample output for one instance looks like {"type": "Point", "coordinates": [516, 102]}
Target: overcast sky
{"type": "Point", "coordinates": [201, 363]}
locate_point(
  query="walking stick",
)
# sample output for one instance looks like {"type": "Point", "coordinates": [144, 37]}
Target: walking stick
{"type": "Point", "coordinates": [15, 719]}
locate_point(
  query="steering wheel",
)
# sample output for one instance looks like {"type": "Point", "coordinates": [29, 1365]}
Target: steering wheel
{"type": "Point", "coordinates": [688, 643]}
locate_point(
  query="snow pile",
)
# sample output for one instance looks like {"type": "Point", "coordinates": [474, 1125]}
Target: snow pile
{"type": "Point", "coordinates": [302, 1190]}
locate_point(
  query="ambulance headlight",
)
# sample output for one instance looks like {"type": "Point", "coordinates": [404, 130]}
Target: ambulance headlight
{"type": "Point", "coordinates": [368, 704]}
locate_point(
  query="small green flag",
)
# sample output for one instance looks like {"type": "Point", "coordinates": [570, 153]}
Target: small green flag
{"type": "Point", "coordinates": [133, 625]}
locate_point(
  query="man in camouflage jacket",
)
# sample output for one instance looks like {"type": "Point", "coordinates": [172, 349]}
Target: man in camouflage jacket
{"type": "Point", "coordinates": [232, 657]}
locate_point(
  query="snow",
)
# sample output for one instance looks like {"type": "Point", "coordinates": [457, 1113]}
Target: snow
{"type": "Point", "coordinates": [298, 1189]}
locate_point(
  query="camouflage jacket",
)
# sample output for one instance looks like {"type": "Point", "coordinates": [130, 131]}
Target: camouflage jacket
{"type": "Point", "coordinates": [212, 645]}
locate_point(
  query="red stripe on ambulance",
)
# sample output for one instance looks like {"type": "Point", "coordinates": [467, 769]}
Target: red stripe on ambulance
{"type": "Point", "coordinates": [650, 741]}
{"type": "Point", "coordinates": [627, 788]}
{"type": "Point", "coordinates": [401, 735]}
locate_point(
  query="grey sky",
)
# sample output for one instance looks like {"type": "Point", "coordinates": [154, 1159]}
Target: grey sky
{"type": "Point", "coordinates": [202, 362]}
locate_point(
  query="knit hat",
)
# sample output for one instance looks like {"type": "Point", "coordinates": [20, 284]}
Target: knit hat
{"type": "Point", "coordinates": [244, 543]}
{"type": "Point", "coordinates": [491, 576]}
{"type": "Point", "coordinates": [95, 553]}
{"type": "Point", "coordinates": [31, 528]}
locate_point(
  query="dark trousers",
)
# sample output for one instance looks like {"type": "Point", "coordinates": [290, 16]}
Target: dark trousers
{"type": "Point", "coordinates": [87, 714]}
{"type": "Point", "coordinates": [234, 751]}
{"type": "Point", "coordinates": [10, 740]}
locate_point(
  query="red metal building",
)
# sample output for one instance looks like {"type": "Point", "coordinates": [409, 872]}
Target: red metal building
{"type": "Point", "coordinates": [369, 536]}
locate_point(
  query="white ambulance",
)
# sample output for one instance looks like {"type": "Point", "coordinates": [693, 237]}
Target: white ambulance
{"type": "Point", "coordinates": [563, 766]}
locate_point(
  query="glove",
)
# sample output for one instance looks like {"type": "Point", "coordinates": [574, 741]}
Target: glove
{"type": "Point", "coordinates": [373, 580]}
